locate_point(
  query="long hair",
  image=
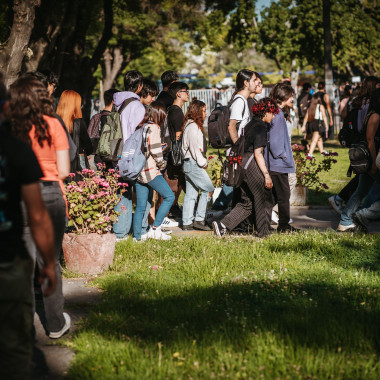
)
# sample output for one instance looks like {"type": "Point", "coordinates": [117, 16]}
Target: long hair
{"type": "Point", "coordinates": [365, 91]}
{"type": "Point", "coordinates": [29, 102]}
{"type": "Point", "coordinates": [69, 108]}
{"type": "Point", "coordinates": [195, 113]}
{"type": "Point", "coordinates": [315, 100]}
{"type": "Point", "coordinates": [155, 113]}
{"type": "Point", "coordinates": [281, 92]}
{"type": "Point", "coordinates": [374, 104]}
{"type": "Point", "coordinates": [242, 76]}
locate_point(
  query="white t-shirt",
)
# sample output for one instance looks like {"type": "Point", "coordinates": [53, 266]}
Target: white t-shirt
{"type": "Point", "coordinates": [236, 112]}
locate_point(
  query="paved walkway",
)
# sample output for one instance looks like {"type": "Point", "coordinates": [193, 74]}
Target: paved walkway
{"type": "Point", "coordinates": [52, 360]}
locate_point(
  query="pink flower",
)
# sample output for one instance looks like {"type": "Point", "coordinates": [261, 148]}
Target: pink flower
{"type": "Point", "coordinates": [334, 161]}
{"type": "Point", "coordinates": [306, 173]}
{"type": "Point", "coordinates": [104, 184]}
{"type": "Point", "coordinates": [309, 158]}
{"type": "Point", "coordinates": [107, 218]}
{"type": "Point", "coordinates": [324, 186]}
{"type": "Point", "coordinates": [99, 165]}
{"type": "Point", "coordinates": [111, 170]}
{"type": "Point", "coordinates": [92, 196]}
{"type": "Point", "coordinates": [72, 175]}
{"type": "Point", "coordinates": [155, 267]}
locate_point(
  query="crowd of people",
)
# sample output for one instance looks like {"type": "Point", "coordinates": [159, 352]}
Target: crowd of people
{"type": "Point", "coordinates": [41, 144]}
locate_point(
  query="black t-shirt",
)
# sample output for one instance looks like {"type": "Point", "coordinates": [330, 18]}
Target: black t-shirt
{"type": "Point", "coordinates": [175, 120]}
{"type": "Point", "coordinates": [164, 99]}
{"type": "Point", "coordinates": [18, 166]}
{"type": "Point", "coordinates": [256, 135]}
{"type": "Point", "coordinates": [251, 102]}
{"type": "Point", "coordinates": [85, 144]}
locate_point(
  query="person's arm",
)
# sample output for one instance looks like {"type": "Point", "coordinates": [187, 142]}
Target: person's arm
{"type": "Point", "coordinates": [193, 145]}
{"type": "Point", "coordinates": [42, 232]}
{"type": "Point", "coordinates": [236, 116]}
{"type": "Point", "coordinates": [277, 137]}
{"type": "Point", "coordinates": [232, 130]}
{"type": "Point", "coordinates": [326, 98]}
{"type": "Point", "coordinates": [155, 147]}
{"type": "Point", "coordinates": [85, 140]}
{"type": "Point", "coordinates": [372, 126]}
{"type": "Point", "coordinates": [343, 108]}
{"type": "Point", "coordinates": [63, 164]}
{"type": "Point", "coordinates": [261, 164]}
{"type": "Point", "coordinates": [303, 129]}
{"type": "Point", "coordinates": [324, 117]}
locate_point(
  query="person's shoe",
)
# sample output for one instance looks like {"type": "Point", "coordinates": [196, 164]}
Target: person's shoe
{"type": "Point", "coordinates": [350, 228]}
{"type": "Point", "coordinates": [219, 228]}
{"type": "Point", "coordinates": [168, 223]}
{"type": "Point", "coordinates": [274, 217]}
{"type": "Point", "coordinates": [201, 225]}
{"type": "Point", "coordinates": [122, 239]}
{"type": "Point", "coordinates": [157, 234]}
{"type": "Point", "coordinates": [287, 229]}
{"type": "Point", "coordinates": [336, 204]}
{"type": "Point", "coordinates": [358, 219]}
{"type": "Point", "coordinates": [175, 212]}
{"type": "Point", "coordinates": [309, 155]}
{"type": "Point", "coordinates": [137, 241]}
{"type": "Point", "coordinates": [211, 215]}
{"type": "Point", "coordinates": [64, 330]}
{"type": "Point", "coordinates": [188, 227]}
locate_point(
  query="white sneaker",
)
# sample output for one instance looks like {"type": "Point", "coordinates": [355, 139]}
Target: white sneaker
{"type": "Point", "coordinates": [168, 223]}
{"type": "Point", "coordinates": [157, 234]}
{"type": "Point", "coordinates": [336, 204]}
{"type": "Point", "coordinates": [211, 215]}
{"type": "Point", "coordinates": [275, 217]}
{"type": "Point", "coordinates": [64, 330]}
{"type": "Point", "coordinates": [290, 221]}
{"type": "Point", "coordinates": [350, 228]}
{"type": "Point", "coordinates": [122, 239]}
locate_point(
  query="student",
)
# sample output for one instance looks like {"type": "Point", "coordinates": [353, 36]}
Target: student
{"type": "Point", "coordinates": [151, 179]}
{"type": "Point", "coordinates": [251, 98]}
{"type": "Point", "coordinates": [130, 118]}
{"type": "Point", "coordinates": [325, 99]}
{"type": "Point", "coordinates": [19, 180]}
{"type": "Point", "coordinates": [256, 198]}
{"type": "Point", "coordinates": [148, 92]}
{"type": "Point", "coordinates": [194, 149]}
{"type": "Point", "coordinates": [48, 140]}
{"type": "Point", "coordinates": [167, 78]}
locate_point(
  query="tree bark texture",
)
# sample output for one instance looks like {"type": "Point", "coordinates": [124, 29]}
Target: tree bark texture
{"type": "Point", "coordinates": [13, 54]}
{"type": "Point", "coordinates": [112, 66]}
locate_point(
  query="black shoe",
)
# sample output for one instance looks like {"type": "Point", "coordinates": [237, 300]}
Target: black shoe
{"type": "Point", "coordinates": [201, 225]}
{"type": "Point", "coordinates": [188, 227]}
{"type": "Point", "coordinates": [287, 229]}
{"type": "Point", "coordinates": [361, 227]}
{"type": "Point", "coordinates": [219, 229]}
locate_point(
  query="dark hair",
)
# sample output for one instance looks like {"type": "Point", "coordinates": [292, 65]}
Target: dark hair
{"type": "Point", "coordinates": [3, 89]}
{"type": "Point", "coordinates": [29, 102]}
{"type": "Point", "coordinates": [315, 100]}
{"type": "Point", "coordinates": [51, 77]}
{"type": "Point", "coordinates": [263, 106]}
{"type": "Point", "coordinates": [175, 87]}
{"type": "Point", "coordinates": [306, 86]}
{"type": "Point", "coordinates": [257, 75]}
{"type": "Point", "coordinates": [155, 113]}
{"type": "Point", "coordinates": [374, 103]}
{"type": "Point", "coordinates": [195, 113]}
{"type": "Point", "coordinates": [108, 96]}
{"type": "Point", "coordinates": [132, 80]}
{"type": "Point", "coordinates": [241, 77]}
{"type": "Point", "coordinates": [168, 77]}
{"type": "Point", "coordinates": [281, 92]}
{"type": "Point", "coordinates": [365, 92]}
{"type": "Point", "coordinates": [321, 85]}
{"type": "Point", "coordinates": [149, 88]}
{"type": "Point", "coordinates": [346, 91]}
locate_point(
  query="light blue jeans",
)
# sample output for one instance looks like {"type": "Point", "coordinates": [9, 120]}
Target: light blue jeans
{"type": "Point", "coordinates": [124, 221]}
{"type": "Point", "coordinates": [144, 193]}
{"type": "Point", "coordinates": [196, 179]}
{"type": "Point", "coordinates": [224, 198]}
{"type": "Point", "coordinates": [365, 183]}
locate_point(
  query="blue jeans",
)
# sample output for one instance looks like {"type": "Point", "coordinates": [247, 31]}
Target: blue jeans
{"type": "Point", "coordinates": [365, 183]}
{"type": "Point", "coordinates": [224, 198]}
{"type": "Point", "coordinates": [122, 227]}
{"type": "Point", "coordinates": [144, 193]}
{"type": "Point", "coordinates": [372, 197]}
{"type": "Point", "coordinates": [196, 179]}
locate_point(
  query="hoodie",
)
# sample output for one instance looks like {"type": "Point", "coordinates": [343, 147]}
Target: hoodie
{"type": "Point", "coordinates": [132, 115]}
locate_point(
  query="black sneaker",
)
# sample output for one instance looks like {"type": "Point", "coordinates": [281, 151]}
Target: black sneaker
{"type": "Point", "coordinates": [361, 227]}
{"type": "Point", "coordinates": [219, 229]}
{"type": "Point", "coordinates": [287, 229]}
{"type": "Point", "coordinates": [201, 225]}
{"type": "Point", "coordinates": [188, 227]}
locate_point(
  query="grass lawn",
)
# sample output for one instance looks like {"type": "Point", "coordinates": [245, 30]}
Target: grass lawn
{"type": "Point", "coordinates": [304, 306]}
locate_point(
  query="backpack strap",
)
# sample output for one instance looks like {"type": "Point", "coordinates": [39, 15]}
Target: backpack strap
{"type": "Point", "coordinates": [125, 104]}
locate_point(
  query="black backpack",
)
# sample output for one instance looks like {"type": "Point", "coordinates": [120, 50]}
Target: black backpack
{"type": "Point", "coordinates": [166, 139]}
{"type": "Point", "coordinates": [217, 125]}
{"type": "Point", "coordinates": [303, 104]}
{"type": "Point", "coordinates": [349, 133]}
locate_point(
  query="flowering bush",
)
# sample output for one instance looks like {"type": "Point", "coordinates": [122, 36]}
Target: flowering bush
{"type": "Point", "coordinates": [308, 169]}
{"type": "Point", "coordinates": [91, 201]}
{"type": "Point", "coordinates": [216, 167]}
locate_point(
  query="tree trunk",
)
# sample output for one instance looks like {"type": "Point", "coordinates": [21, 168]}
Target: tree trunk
{"type": "Point", "coordinates": [112, 66]}
{"type": "Point", "coordinates": [15, 50]}
{"type": "Point", "coordinates": [348, 67]}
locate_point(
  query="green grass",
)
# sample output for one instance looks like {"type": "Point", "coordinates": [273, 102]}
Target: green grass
{"type": "Point", "coordinates": [305, 306]}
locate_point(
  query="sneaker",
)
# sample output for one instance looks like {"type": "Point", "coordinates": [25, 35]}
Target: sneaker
{"type": "Point", "coordinates": [168, 223]}
{"type": "Point", "coordinates": [336, 204]}
{"type": "Point", "coordinates": [201, 225]}
{"type": "Point", "coordinates": [359, 221]}
{"type": "Point", "coordinates": [350, 228]}
{"type": "Point", "coordinates": [219, 228]}
{"type": "Point", "coordinates": [309, 155]}
{"type": "Point", "coordinates": [157, 234]}
{"type": "Point", "coordinates": [64, 330]}
{"type": "Point", "coordinates": [188, 227]}
{"type": "Point", "coordinates": [211, 215]}
{"type": "Point", "coordinates": [122, 239]}
{"type": "Point", "coordinates": [274, 217]}
{"type": "Point", "coordinates": [287, 229]}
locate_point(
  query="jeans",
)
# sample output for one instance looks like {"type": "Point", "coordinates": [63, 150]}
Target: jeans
{"type": "Point", "coordinates": [372, 197]}
{"type": "Point", "coordinates": [196, 179]}
{"type": "Point", "coordinates": [144, 193]}
{"type": "Point", "coordinates": [123, 225]}
{"type": "Point", "coordinates": [365, 183]}
{"type": "Point", "coordinates": [224, 198]}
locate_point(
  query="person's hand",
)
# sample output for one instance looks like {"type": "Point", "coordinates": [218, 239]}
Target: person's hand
{"type": "Point", "coordinates": [331, 122]}
{"type": "Point", "coordinates": [303, 129]}
{"type": "Point", "coordinates": [268, 181]}
{"type": "Point", "coordinates": [373, 168]}
{"type": "Point", "coordinates": [48, 279]}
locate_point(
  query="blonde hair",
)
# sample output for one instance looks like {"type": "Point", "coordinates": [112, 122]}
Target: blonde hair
{"type": "Point", "coordinates": [69, 108]}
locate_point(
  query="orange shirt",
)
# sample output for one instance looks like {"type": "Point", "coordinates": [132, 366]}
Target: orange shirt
{"type": "Point", "coordinates": [46, 155]}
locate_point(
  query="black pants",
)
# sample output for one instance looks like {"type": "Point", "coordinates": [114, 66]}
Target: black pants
{"type": "Point", "coordinates": [255, 199]}
{"type": "Point", "coordinates": [281, 192]}
{"type": "Point", "coordinates": [349, 189]}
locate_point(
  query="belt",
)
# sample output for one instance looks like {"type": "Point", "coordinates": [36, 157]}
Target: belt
{"type": "Point", "coordinates": [48, 183]}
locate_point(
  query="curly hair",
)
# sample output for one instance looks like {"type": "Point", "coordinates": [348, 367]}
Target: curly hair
{"type": "Point", "coordinates": [263, 106]}
{"type": "Point", "coordinates": [29, 102]}
{"type": "Point", "coordinates": [195, 113]}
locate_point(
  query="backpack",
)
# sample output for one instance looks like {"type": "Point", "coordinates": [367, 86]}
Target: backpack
{"type": "Point", "coordinates": [217, 124]}
{"type": "Point", "coordinates": [132, 159]}
{"type": "Point", "coordinates": [349, 132]}
{"type": "Point", "coordinates": [110, 143]}
{"type": "Point", "coordinates": [303, 104]}
{"type": "Point", "coordinates": [166, 139]}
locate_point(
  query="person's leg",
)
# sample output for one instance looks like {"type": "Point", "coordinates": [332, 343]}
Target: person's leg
{"type": "Point", "coordinates": [372, 196]}
{"type": "Point", "coordinates": [281, 188]}
{"type": "Point", "coordinates": [224, 198]}
{"type": "Point", "coordinates": [347, 191]}
{"type": "Point", "coordinates": [313, 144]}
{"type": "Point", "coordinates": [122, 227]}
{"type": "Point", "coordinates": [160, 185]}
{"type": "Point", "coordinates": [146, 222]}
{"type": "Point", "coordinates": [191, 196]}
{"type": "Point", "coordinates": [320, 145]}
{"type": "Point", "coordinates": [142, 194]}
{"type": "Point", "coordinates": [152, 211]}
